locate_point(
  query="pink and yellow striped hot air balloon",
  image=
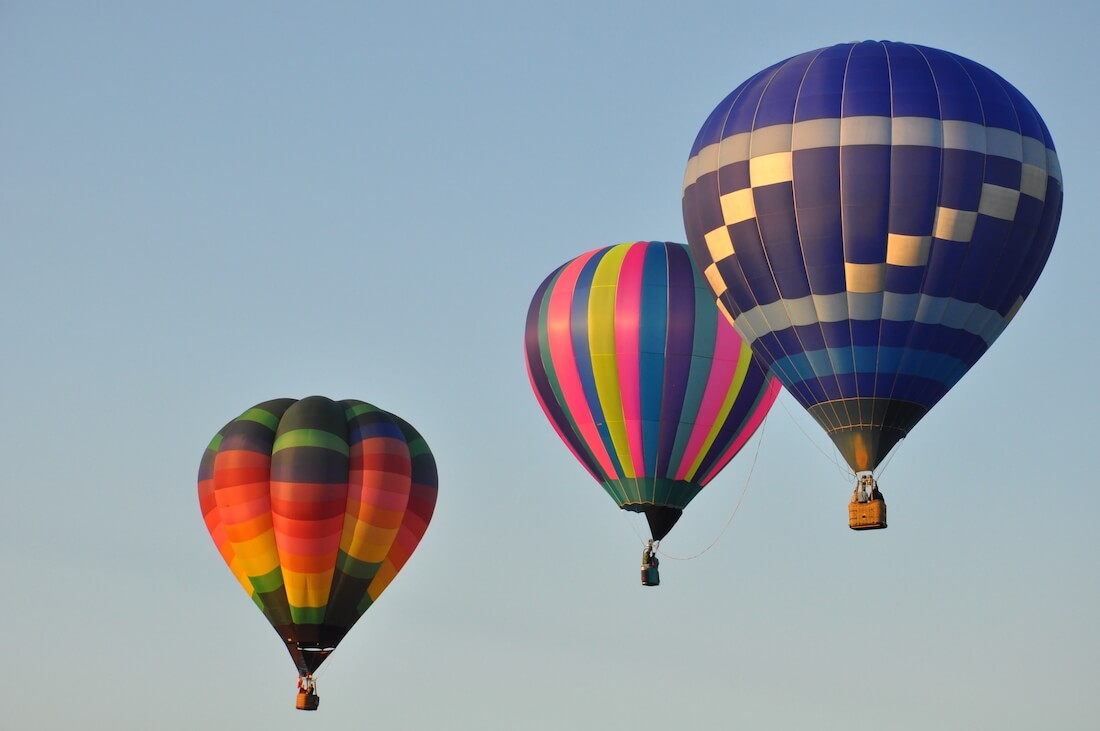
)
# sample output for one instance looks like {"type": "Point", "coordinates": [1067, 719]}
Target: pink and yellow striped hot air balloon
{"type": "Point", "coordinates": [647, 384]}
{"type": "Point", "coordinates": [315, 505]}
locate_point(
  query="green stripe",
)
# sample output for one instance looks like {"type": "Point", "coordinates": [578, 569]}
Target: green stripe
{"type": "Point", "coordinates": [307, 615]}
{"type": "Point", "coordinates": [356, 568]}
{"type": "Point", "coordinates": [311, 438]}
{"type": "Point", "coordinates": [266, 418]}
{"type": "Point", "coordinates": [555, 383]}
{"type": "Point", "coordinates": [418, 448]}
{"type": "Point", "coordinates": [360, 409]}
{"type": "Point", "coordinates": [215, 442]}
{"type": "Point", "coordinates": [269, 582]}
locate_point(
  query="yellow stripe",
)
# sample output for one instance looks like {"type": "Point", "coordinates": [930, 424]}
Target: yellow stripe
{"type": "Point", "coordinates": [368, 542]}
{"type": "Point", "coordinates": [307, 590]}
{"type": "Point", "coordinates": [258, 556]}
{"type": "Point", "coordinates": [601, 344]}
{"type": "Point", "coordinates": [382, 579]}
{"type": "Point", "coordinates": [743, 360]}
{"type": "Point", "coordinates": [242, 576]}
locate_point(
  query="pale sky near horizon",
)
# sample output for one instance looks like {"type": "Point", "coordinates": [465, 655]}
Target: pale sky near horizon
{"type": "Point", "coordinates": [207, 205]}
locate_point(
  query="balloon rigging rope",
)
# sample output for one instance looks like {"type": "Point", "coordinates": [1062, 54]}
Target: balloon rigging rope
{"type": "Point", "coordinates": [737, 507]}
{"type": "Point", "coordinates": [831, 457]}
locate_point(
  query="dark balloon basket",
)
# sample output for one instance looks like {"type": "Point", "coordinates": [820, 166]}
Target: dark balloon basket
{"type": "Point", "coordinates": [870, 515]}
{"type": "Point", "coordinates": [307, 701]}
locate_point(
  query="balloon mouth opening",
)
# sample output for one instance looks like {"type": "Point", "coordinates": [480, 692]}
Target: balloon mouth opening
{"type": "Point", "coordinates": [661, 518]}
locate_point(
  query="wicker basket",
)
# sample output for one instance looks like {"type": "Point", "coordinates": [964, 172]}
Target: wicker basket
{"type": "Point", "coordinates": [870, 515]}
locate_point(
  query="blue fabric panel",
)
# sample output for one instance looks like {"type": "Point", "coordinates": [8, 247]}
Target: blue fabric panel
{"type": "Point", "coordinates": [913, 93]}
{"type": "Point", "coordinates": [919, 390]}
{"type": "Point", "coordinates": [733, 177]}
{"type": "Point", "coordinates": [1044, 238]}
{"type": "Point", "coordinates": [996, 104]}
{"type": "Point", "coordinates": [865, 192]}
{"type": "Point", "coordinates": [817, 201]}
{"type": "Point", "coordinates": [865, 333]}
{"type": "Point", "coordinates": [895, 334]}
{"type": "Point", "coordinates": [926, 364]}
{"type": "Point", "coordinates": [904, 279]}
{"type": "Point", "coordinates": [961, 179]}
{"type": "Point", "coordinates": [816, 173]}
{"type": "Point", "coordinates": [703, 203]}
{"type": "Point", "coordinates": [1003, 171]}
{"type": "Point", "coordinates": [779, 230]}
{"type": "Point", "coordinates": [677, 368]}
{"type": "Point", "coordinates": [750, 255]}
{"type": "Point", "coordinates": [785, 341]}
{"type": "Point", "coordinates": [823, 88]}
{"type": "Point", "coordinates": [738, 297]}
{"type": "Point", "coordinates": [1026, 230]}
{"type": "Point", "coordinates": [914, 186]}
{"type": "Point", "coordinates": [944, 260]}
{"type": "Point", "coordinates": [1015, 259]}
{"type": "Point", "coordinates": [681, 295]}
{"type": "Point", "coordinates": [979, 272]}
{"type": "Point", "coordinates": [837, 334]}
{"type": "Point", "coordinates": [743, 113]}
{"type": "Point", "coordinates": [778, 101]}
{"type": "Point", "coordinates": [867, 82]}
{"type": "Point", "coordinates": [957, 98]}
{"type": "Point", "coordinates": [1026, 116]}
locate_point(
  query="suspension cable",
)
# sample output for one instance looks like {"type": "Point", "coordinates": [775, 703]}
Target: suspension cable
{"type": "Point", "coordinates": [736, 507]}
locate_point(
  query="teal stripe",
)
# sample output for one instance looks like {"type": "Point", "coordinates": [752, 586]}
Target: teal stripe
{"type": "Point", "coordinates": [653, 491]}
{"type": "Point", "coordinates": [815, 364]}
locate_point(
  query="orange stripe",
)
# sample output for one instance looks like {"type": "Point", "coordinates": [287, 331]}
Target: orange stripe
{"type": "Point", "coordinates": [244, 530]}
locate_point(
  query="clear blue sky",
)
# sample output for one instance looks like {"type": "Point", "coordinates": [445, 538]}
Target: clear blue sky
{"type": "Point", "coordinates": [207, 205]}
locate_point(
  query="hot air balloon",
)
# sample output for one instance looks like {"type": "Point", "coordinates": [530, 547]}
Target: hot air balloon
{"type": "Point", "coordinates": [651, 390]}
{"type": "Point", "coordinates": [872, 216]}
{"type": "Point", "coordinates": [315, 505]}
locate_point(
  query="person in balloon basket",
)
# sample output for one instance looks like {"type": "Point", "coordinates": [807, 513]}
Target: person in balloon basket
{"type": "Point", "coordinates": [650, 575]}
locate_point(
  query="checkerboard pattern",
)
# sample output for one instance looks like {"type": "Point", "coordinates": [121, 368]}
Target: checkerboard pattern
{"type": "Point", "coordinates": [871, 216]}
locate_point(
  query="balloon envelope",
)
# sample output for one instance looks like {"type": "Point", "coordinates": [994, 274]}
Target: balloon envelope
{"type": "Point", "coordinates": [315, 505]}
{"type": "Point", "coordinates": [872, 215]}
{"type": "Point", "coordinates": [649, 387]}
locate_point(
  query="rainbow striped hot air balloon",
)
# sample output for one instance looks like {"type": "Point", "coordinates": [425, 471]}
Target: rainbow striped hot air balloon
{"type": "Point", "coordinates": [649, 387]}
{"type": "Point", "coordinates": [872, 215]}
{"type": "Point", "coordinates": [315, 505]}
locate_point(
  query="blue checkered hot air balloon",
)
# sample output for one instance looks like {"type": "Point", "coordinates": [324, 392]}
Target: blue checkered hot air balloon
{"type": "Point", "coordinates": [871, 216]}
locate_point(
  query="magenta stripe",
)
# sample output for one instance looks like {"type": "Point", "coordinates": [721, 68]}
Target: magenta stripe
{"type": "Point", "coordinates": [751, 425]}
{"type": "Point", "coordinates": [553, 423]}
{"type": "Point", "coordinates": [628, 306]}
{"type": "Point", "coordinates": [727, 345]}
{"type": "Point", "coordinates": [560, 344]}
